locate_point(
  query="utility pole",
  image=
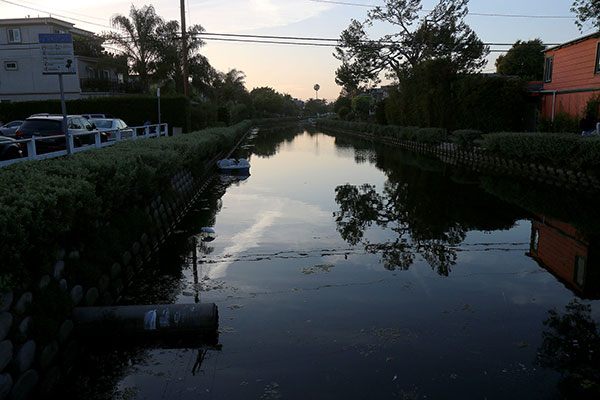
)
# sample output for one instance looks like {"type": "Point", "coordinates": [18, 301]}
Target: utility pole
{"type": "Point", "coordinates": [186, 89]}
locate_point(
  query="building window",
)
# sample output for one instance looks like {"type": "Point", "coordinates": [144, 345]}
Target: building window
{"type": "Point", "coordinates": [579, 277]}
{"type": "Point", "coordinates": [11, 65]}
{"type": "Point", "coordinates": [597, 67]}
{"type": "Point", "coordinates": [548, 69]}
{"type": "Point", "coordinates": [106, 74]}
{"type": "Point", "coordinates": [14, 35]}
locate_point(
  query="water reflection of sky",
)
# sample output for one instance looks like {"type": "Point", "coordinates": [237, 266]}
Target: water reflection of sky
{"type": "Point", "coordinates": [303, 314]}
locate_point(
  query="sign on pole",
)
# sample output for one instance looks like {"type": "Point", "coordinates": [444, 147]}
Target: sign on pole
{"type": "Point", "coordinates": [58, 59]}
{"type": "Point", "coordinates": [57, 53]}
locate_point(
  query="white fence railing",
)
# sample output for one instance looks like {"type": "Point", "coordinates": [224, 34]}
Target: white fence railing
{"type": "Point", "coordinates": [130, 133]}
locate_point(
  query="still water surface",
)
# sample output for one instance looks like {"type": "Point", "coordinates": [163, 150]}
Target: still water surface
{"type": "Point", "coordinates": [346, 270]}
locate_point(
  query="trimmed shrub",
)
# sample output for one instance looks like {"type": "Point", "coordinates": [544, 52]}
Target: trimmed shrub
{"type": "Point", "coordinates": [92, 200]}
{"type": "Point", "coordinates": [409, 132]}
{"type": "Point", "coordinates": [431, 135]}
{"type": "Point", "coordinates": [564, 150]}
{"type": "Point", "coordinates": [465, 138]}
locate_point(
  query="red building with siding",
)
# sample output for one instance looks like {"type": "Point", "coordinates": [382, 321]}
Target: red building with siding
{"type": "Point", "coordinates": [571, 76]}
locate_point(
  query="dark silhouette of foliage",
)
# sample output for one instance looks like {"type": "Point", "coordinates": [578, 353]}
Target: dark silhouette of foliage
{"type": "Point", "coordinates": [586, 11]}
{"type": "Point", "coordinates": [441, 33]}
{"type": "Point", "coordinates": [525, 59]}
{"type": "Point", "coordinates": [572, 347]}
{"type": "Point", "coordinates": [138, 39]}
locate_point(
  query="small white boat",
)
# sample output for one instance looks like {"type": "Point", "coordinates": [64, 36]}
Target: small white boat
{"type": "Point", "coordinates": [232, 165]}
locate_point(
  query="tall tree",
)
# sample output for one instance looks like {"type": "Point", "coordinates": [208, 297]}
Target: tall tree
{"type": "Point", "coordinates": [586, 11]}
{"type": "Point", "coordinates": [525, 59]}
{"type": "Point", "coordinates": [138, 40]}
{"type": "Point", "coordinates": [441, 33]}
{"type": "Point", "coordinates": [267, 102]}
{"type": "Point", "coordinates": [232, 87]}
{"type": "Point", "coordinates": [170, 52]}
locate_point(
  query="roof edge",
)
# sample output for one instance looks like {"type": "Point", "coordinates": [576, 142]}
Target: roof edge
{"type": "Point", "coordinates": [574, 41]}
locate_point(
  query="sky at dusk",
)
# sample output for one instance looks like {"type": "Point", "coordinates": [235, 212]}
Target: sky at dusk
{"type": "Point", "coordinates": [296, 69]}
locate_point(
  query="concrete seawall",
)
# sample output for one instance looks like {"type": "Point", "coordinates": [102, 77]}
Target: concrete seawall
{"type": "Point", "coordinates": [33, 368]}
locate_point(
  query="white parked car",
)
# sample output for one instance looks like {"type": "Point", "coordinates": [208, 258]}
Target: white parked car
{"type": "Point", "coordinates": [110, 126]}
{"type": "Point", "coordinates": [10, 128]}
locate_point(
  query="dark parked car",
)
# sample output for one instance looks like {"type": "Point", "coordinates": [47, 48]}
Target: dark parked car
{"type": "Point", "coordinates": [51, 125]}
{"type": "Point", "coordinates": [9, 149]}
{"type": "Point", "coordinates": [10, 128]}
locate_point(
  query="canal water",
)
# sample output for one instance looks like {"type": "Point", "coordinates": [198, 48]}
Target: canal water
{"type": "Point", "coordinates": [348, 270]}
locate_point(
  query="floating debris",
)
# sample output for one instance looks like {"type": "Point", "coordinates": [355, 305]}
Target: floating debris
{"type": "Point", "coordinates": [317, 268]}
{"type": "Point", "coordinates": [207, 234]}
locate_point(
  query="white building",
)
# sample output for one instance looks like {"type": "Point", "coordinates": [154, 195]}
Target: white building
{"type": "Point", "coordinates": [21, 75]}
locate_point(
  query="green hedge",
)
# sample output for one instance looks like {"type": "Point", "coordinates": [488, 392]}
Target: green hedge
{"type": "Point", "coordinates": [92, 200]}
{"type": "Point", "coordinates": [564, 150]}
{"type": "Point", "coordinates": [465, 138]}
{"type": "Point", "coordinates": [426, 135]}
{"type": "Point", "coordinates": [134, 110]}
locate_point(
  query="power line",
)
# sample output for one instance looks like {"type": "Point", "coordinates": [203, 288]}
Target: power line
{"type": "Point", "coordinates": [321, 39]}
{"type": "Point", "coordinates": [271, 42]}
{"type": "Point", "coordinates": [343, 3]}
{"type": "Point", "coordinates": [233, 40]}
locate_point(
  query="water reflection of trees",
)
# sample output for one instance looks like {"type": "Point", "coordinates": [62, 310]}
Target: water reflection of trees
{"type": "Point", "coordinates": [269, 140]}
{"type": "Point", "coordinates": [427, 206]}
{"type": "Point", "coordinates": [571, 346]}
{"type": "Point", "coordinates": [362, 206]}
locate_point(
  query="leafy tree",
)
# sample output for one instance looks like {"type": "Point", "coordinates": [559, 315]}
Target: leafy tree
{"type": "Point", "coordinates": [169, 59]}
{"type": "Point", "coordinates": [204, 79]}
{"type": "Point", "coordinates": [441, 33]}
{"type": "Point", "coordinates": [361, 106]}
{"type": "Point", "coordinates": [87, 46]}
{"type": "Point", "coordinates": [138, 39]}
{"type": "Point", "coordinates": [268, 103]}
{"type": "Point", "coordinates": [525, 59]}
{"type": "Point", "coordinates": [342, 102]}
{"type": "Point", "coordinates": [231, 87]}
{"type": "Point", "coordinates": [315, 106]}
{"type": "Point", "coordinates": [586, 11]}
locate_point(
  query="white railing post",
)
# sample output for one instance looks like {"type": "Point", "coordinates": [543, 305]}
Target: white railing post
{"type": "Point", "coordinates": [97, 139]}
{"type": "Point", "coordinates": [70, 143]}
{"type": "Point", "coordinates": [31, 149]}
{"type": "Point", "coordinates": [118, 137]}
{"type": "Point", "coordinates": [134, 134]}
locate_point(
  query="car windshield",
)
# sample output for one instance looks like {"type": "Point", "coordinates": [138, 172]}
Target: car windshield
{"type": "Point", "coordinates": [102, 123]}
{"type": "Point", "coordinates": [41, 125]}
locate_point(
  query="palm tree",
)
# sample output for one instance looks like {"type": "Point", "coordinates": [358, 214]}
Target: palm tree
{"type": "Point", "coordinates": [169, 58]}
{"type": "Point", "coordinates": [137, 39]}
{"type": "Point", "coordinates": [232, 87]}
